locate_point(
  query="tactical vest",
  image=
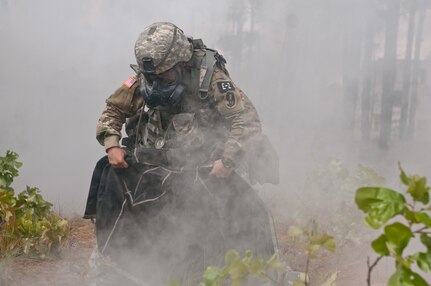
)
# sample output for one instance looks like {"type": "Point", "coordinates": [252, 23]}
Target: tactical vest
{"type": "Point", "coordinates": [193, 126]}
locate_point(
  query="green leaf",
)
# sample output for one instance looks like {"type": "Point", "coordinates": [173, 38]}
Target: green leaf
{"type": "Point", "coordinates": [426, 240]}
{"type": "Point", "coordinates": [329, 244]}
{"type": "Point", "coordinates": [248, 256]}
{"type": "Point", "coordinates": [256, 266]}
{"type": "Point", "coordinates": [418, 189]}
{"type": "Point", "coordinates": [311, 248]}
{"type": "Point", "coordinates": [410, 216]}
{"type": "Point", "coordinates": [320, 239]}
{"type": "Point", "coordinates": [423, 217]}
{"type": "Point", "coordinates": [212, 275]}
{"type": "Point", "coordinates": [237, 269]}
{"type": "Point", "coordinates": [323, 240]}
{"type": "Point", "coordinates": [411, 278]}
{"type": "Point", "coordinates": [396, 279]}
{"type": "Point", "coordinates": [294, 231]}
{"type": "Point", "coordinates": [275, 263]}
{"type": "Point", "coordinates": [423, 260]}
{"type": "Point", "coordinates": [230, 256]}
{"type": "Point", "coordinates": [398, 237]}
{"type": "Point", "coordinates": [405, 277]}
{"type": "Point", "coordinates": [9, 168]}
{"type": "Point", "coordinates": [380, 204]}
{"type": "Point", "coordinates": [368, 197]}
{"type": "Point", "coordinates": [404, 178]}
{"type": "Point", "coordinates": [379, 245]}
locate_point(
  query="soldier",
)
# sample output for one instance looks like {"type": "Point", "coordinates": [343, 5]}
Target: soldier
{"type": "Point", "coordinates": [183, 112]}
{"type": "Point", "coordinates": [179, 75]}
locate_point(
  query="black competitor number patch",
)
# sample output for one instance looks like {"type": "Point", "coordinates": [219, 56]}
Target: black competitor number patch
{"type": "Point", "coordinates": [225, 86]}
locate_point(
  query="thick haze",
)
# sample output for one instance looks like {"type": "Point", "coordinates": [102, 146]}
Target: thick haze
{"type": "Point", "coordinates": [59, 61]}
{"type": "Point", "coordinates": [312, 68]}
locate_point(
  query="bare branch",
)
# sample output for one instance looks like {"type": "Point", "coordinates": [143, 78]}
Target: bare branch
{"type": "Point", "coordinates": [370, 268]}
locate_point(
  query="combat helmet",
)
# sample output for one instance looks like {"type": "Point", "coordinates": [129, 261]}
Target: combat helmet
{"type": "Point", "coordinates": [165, 45]}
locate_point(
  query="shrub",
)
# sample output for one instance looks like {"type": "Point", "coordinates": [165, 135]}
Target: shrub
{"type": "Point", "coordinates": [27, 223]}
{"type": "Point", "coordinates": [413, 222]}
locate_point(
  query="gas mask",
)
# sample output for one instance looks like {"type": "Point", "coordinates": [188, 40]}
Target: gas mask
{"type": "Point", "coordinates": [165, 89]}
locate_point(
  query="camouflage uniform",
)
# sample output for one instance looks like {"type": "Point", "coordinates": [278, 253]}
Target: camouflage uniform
{"type": "Point", "coordinates": [226, 104]}
{"type": "Point", "coordinates": [202, 117]}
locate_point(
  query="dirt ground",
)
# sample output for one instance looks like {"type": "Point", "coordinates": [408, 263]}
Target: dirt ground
{"type": "Point", "coordinates": [348, 263]}
{"type": "Point", "coordinates": [70, 267]}
{"type": "Point", "coordinates": [66, 269]}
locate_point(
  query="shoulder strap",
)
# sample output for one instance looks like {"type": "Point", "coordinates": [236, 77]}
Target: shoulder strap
{"type": "Point", "coordinates": [207, 70]}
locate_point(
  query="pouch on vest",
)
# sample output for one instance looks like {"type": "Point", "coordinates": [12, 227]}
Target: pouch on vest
{"type": "Point", "coordinates": [187, 143]}
{"type": "Point", "coordinates": [132, 129]}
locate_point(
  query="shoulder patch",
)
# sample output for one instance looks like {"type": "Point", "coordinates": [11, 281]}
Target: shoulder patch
{"type": "Point", "coordinates": [130, 81]}
{"type": "Point", "coordinates": [230, 100]}
{"type": "Point", "coordinates": [225, 86]}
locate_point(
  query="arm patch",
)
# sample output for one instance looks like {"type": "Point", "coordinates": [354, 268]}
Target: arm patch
{"type": "Point", "coordinates": [230, 100]}
{"type": "Point", "coordinates": [130, 81]}
{"type": "Point", "coordinates": [225, 86]}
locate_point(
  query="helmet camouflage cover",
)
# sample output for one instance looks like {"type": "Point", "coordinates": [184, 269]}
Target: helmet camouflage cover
{"type": "Point", "coordinates": [165, 44]}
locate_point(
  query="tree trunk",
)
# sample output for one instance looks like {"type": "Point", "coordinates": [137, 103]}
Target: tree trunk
{"type": "Point", "coordinates": [351, 63]}
{"type": "Point", "coordinates": [367, 68]}
{"type": "Point", "coordinates": [416, 68]}
{"type": "Point", "coordinates": [407, 70]}
{"type": "Point", "coordinates": [389, 71]}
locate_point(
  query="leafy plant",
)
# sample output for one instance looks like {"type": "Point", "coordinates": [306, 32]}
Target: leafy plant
{"type": "Point", "coordinates": [236, 269]}
{"type": "Point", "coordinates": [27, 224]}
{"type": "Point", "coordinates": [382, 205]}
{"type": "Point", "coordinates": [312, 242]}
{"type": "Point", "coordinates": [8, 168]}
{"type": "Point", "coordinates": [333, 186]}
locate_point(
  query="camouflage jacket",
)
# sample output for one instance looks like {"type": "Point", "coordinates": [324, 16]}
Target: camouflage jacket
{"type": "Point", "coordinates": [225, 100]}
